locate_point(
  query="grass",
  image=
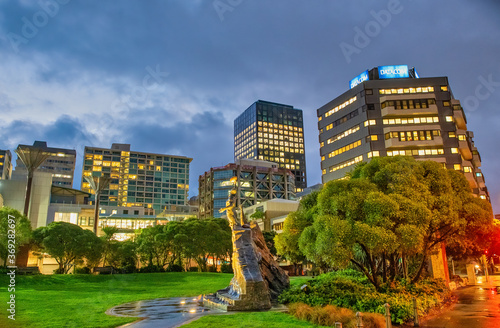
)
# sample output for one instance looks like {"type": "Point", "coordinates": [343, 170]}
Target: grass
{"type": "Point", "coordinates": [81, 300]}
{"type": "Point", "coordinates": [250, 320]}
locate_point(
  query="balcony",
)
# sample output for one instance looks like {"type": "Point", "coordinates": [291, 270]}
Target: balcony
{"type": "Point", "coordinates": [395, 143]}
{"type": "Point", "coordinates": [458, 114]}
{"type": "Point", "coordinates": [391, 111]}
{"type": "Point", "coordinates": [465, 149]}
{"type": "Point", "coordinates": [476, 158]}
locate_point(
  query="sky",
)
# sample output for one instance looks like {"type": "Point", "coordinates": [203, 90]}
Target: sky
{"type": "Point", "coordinates": [171, 76]}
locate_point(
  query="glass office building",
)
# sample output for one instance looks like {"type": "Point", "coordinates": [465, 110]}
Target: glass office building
{"type": "Point", "coordinates": [272, 132]}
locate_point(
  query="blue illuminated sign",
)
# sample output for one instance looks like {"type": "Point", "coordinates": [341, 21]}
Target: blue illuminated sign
{"type": "Point", "coordinates": [393, 72]}
{"type": "Point", "coordinates": [359, 79]}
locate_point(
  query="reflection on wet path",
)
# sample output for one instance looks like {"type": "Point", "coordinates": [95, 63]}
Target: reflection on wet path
{"type": "Point", "coordinates": [162, 312]}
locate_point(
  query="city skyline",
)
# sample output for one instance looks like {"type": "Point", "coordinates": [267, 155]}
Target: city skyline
{"type": "Point", "coordinates": [171, 78]}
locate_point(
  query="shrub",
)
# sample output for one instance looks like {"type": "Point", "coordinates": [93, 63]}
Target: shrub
{"type": "Point", "coordinates": [349, 289]}
{"type": "Point", "coordinates": [83, 270]}
{"type": "Point", "coordinates": [175, 268]}
{"type": "Point", "coordinates": [226, 268]}
{"type": "Point", "coordinates": [212, 268]}
{"type": "Point", "coordinates": [151, 269]}
{"type": "Point", "coordinates": [193, 269]}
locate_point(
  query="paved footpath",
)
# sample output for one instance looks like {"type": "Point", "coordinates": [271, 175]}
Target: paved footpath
{"type": "Point", "coordinates": [478, 306]}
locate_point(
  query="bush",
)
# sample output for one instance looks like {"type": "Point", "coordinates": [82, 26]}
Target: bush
{"type": "Point", "coordinates": [175, 268]}
{"type": "Point", "coordinates": [193, 269]}
{"type": "Point", "coordinates": [212, 268]}
{"type": "Point", "coordinates": [350, 289]}
{"type": "Point", "coordinates": [329, 315]}
{"type": "Point", "coordinates": [83, 270]}
{"type": "Point", "coordinates": [226, 268]}
{"type": "Point", "coordinates": [151, 269]}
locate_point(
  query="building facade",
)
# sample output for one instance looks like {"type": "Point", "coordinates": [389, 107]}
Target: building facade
{"type": "Point", "coordinates": [5, 164]}
{"type": "Point", "coordinates": [391, 111]}
{"type": "Point", "coordinates": [257, 181]}
{"type": "Point", "coordinates": [272, 132]}
{"type": "Point", "coordinates": [60, 163]}
{"type": "Point", "coordinates": [138, 179]}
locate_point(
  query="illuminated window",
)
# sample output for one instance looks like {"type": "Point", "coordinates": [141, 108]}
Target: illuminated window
{"type": "Point", "coordinates": [467, 169]}
{"type": "Point", "coordinates": [449, 118]}
{"type": "Point", "coordinates": [444, 88]}
{"type": "Point", "coordinates": [370, 122]}
{"type": "Point", "coordinates": [461, 137]}
{"type": "Point", "coordinates": [96, 168]}
{"type": "Point", "coordinates": [339, 107]}
{"type": "Point", "coordinates": [482, 197]}
{"type": "Point", "coordinates": [457, 167]}
{"type": "Point", "coordinates": [452, 135]}
{"type": "Point", "coordinates": [454, 150]}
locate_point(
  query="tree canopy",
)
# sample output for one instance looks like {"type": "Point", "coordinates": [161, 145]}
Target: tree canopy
{"type": "Point", "coordinates": [383, 214]}
{"type": "Point", "coordinates": [13, 226]}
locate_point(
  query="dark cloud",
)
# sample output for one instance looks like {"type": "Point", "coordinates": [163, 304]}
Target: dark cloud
{"type": "Point", "coordinates": [280, 51]}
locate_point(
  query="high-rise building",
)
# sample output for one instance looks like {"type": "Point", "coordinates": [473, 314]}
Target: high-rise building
{"type": "Point", "coordinates": [272, 132]}
{"type": "Point", "coordinates": [390, 111]}
{"type": "Point", "coordinates": [5, 164]}
{"type": "Point", "coordinates": [257, 181]}
{"type": "Point", "coordinates": [152, 181]}
{"type": "Point", "coordinates": [60, 162]}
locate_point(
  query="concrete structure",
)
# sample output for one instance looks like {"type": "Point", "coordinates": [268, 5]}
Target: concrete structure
{"type": "Point", "coordinates": [257, 181]}
{"type": "Point", "coordinates": [275, 212]}
{"type": "Point", "coordinates": [390, 111]}
{"type": "Point", "coordinates": [13, 192]}
{"type": "Point", "coordinates": [60, 163]}
{"type": "Point", "coordinates": [138, 179]}
{"type": "Point", "coordinates": [5, 164]}
{"type": "Point", "coordinates": [272, 132]}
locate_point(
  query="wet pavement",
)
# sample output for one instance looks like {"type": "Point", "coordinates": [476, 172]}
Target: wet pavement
{"type": "Point", "coordinates": [162, 312]}
{"type": "Point", "coordinates": [478, 306]}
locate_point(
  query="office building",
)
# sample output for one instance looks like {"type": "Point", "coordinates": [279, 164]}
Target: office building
{"type": "Point", "coordinates": [5, 164]}
{"type": "Point", "coordinates": [257, 181]}
{"type": "Point", "coordinates": [272, 132]}
{"type": "Point", "coordinates": [138, 179]}
{"type": "Point", "coordinates": [390, 111]}
{"type": "Point", "coordinates": [60, 163]}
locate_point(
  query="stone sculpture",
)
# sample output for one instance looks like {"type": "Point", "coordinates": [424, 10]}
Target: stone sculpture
{"type": "Point", "coordinates": [258, 279]}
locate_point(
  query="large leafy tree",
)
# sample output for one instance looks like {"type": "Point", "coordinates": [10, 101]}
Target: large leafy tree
{"type": "Point", "coordinates": [388, 211]}
{"type": "Point", "coordinates": [287, 243]}
{"type": "Point", "coordinates": [13, 226]}
{"type": "Point", "coordinates": [67, 243]}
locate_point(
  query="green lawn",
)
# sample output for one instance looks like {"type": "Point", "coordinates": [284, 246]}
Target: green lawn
{"type": "Point", "coordinates": [250, 320]}
{"type": "Point", "coordinates": [81, 300]}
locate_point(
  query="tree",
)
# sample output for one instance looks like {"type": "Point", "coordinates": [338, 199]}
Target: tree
{"type": "Point", "coordinates": [13, 227]}
{"type": "Point", "coordinates": [65, 242]}
{"type": "Point", "coordinates": [154, 245]}
{"type": "Point", "coordinates": [287, 243]}
{"type": "Point", "coordinates": [390, 210]}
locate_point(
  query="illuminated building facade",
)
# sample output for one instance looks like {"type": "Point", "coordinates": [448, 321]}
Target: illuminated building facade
{"type": "Point", "coordinates": [257, 181]}
{"type": "Point", "coordinates": [272, 132]}
{"type": "Point", "coordinates": [391, 111]}
{"type": "Point", "coordinates": [138, 179]}
{"type": "Point", "coordinates": [61, 163]}
{"type": "Point", "coordinates": [5, 164]}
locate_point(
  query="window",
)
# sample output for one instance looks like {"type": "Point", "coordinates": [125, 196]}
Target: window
{"type": "Point", "coordinates": [457, 167]}
{"type": "Point", "coordinates": [452, 135]}
{"type": "Point", "coordinates": [467, 169]}
{"type": "Point", "coordinates": [448, 118]}
{"type": "Point", "coordinates": [444, 88]}
{"type": "Point", "coordinates": [454, 150]}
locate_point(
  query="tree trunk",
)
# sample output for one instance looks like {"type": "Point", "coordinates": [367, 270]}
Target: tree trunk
{"type": "Point", "coordinates": [420, 269]}
{"type": "Point", "coordinates": [384, 268]}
